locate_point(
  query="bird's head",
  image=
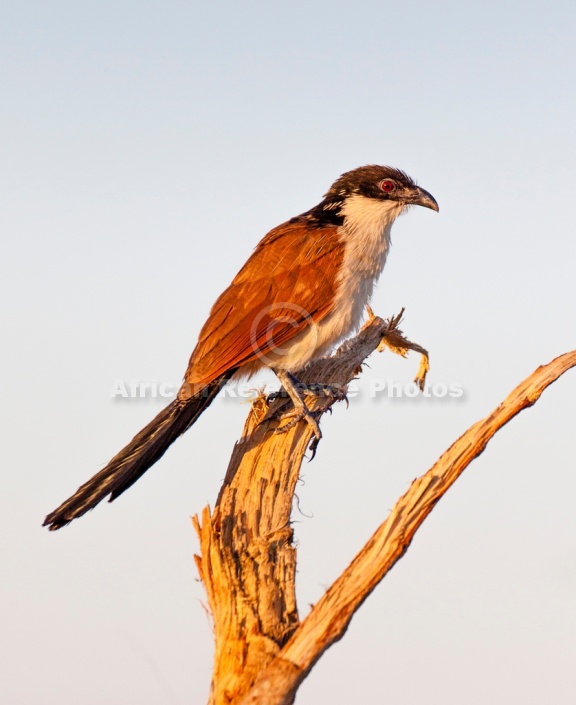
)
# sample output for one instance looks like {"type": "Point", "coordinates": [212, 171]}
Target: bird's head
{"type": "Point", "coordinates": [381, 183]}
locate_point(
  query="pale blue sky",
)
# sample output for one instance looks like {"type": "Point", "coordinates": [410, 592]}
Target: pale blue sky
{"type": "Point", "coordinates": [145, 149]}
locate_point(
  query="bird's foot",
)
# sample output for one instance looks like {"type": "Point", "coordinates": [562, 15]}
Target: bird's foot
{"type": "Point", "coordinates": [302, 414]}
{"type": "Point", "coordinates": [316, 390]}
{"type": "Point", "coordinates": [296, 391]}
{"type": "Point", "coordinates": [326, 390]}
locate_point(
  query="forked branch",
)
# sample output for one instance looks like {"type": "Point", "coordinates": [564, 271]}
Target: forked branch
{"type": "Point", "coordinates": [248, 561]}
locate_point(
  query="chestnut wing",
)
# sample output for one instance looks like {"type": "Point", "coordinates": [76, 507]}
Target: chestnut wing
{"type": "Point", "coordinates": [286, 285]}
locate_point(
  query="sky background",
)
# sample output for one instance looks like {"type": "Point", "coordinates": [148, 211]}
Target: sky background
{"type": "Point", "coordinates": [145, 149]}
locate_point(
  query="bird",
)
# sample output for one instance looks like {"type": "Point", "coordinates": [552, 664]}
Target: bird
{"type": "Point", "coordinates": [303, 290]}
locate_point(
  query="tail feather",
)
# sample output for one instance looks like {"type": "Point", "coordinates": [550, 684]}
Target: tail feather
{"type": "Point", "coordinates": [148, 446]}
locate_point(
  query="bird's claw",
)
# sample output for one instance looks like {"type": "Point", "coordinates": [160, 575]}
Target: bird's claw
{"type": "Point", "coordinates": [316, 390]}
{"type": "Point", "coordinates": [312, 448]}
{"type": "Point", "coordinates": [296, 390]}
{"type": "Point", "coordinates": [326, 390]}
{"type": "Point", "coordinates": [310, 418]}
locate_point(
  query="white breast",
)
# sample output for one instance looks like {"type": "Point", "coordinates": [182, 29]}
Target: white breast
{"type": "Point", "coordinates": [366, 234]}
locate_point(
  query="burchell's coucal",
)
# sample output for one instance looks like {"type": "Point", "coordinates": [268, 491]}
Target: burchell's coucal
{"type": "Point", "coordinates": [302, 291]}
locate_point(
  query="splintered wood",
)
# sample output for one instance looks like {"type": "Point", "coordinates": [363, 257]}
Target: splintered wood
{"type": "Point", "coordinates": [247, 558]}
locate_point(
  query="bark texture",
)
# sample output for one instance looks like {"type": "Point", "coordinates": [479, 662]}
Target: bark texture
{"type": "Point", "coordinates": [248, 560]}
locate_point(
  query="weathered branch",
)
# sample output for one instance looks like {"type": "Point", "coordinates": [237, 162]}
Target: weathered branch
{"type": "Point", "coordinates": [248, 561]}
{"type": "Point", "coordinates": [330, 617]}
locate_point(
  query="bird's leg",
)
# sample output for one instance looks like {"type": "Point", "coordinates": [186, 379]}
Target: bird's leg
{"type": "Point", "coordinates": [295, 390]}
{"type": "Point", "coordinates": [316, 389]}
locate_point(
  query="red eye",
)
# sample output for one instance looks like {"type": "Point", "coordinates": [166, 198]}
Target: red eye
{"type": "Point", "coordinates": [388, 186]}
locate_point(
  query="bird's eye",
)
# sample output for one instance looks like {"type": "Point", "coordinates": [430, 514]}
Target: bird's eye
{"type": "Point", "coordinates": [388, 186]}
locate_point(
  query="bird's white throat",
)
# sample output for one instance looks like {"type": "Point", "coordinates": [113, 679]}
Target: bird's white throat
{"type": "Point", "coordinates": [365, 235]}
{"type": "Point", "coordinates": [366, 232]}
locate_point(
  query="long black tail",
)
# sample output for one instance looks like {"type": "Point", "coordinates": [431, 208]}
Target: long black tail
{"type": "Point", "coordinates": [142, 452]}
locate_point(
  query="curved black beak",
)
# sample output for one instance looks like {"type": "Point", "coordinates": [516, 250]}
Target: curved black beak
{"type": "Point", "coordinates": [420, 197]}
